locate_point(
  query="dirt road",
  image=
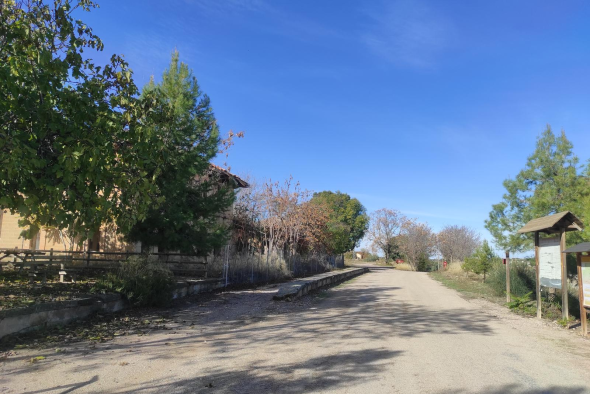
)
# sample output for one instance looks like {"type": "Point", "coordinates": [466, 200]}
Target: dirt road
{"type": "Point", "coordinates": [385, 332]}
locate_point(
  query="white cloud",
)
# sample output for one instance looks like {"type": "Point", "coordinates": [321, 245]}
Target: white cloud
{"type": "Point", "coordinates": [407, 33]}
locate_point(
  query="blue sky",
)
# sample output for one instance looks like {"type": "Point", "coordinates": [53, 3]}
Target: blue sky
{"type": "Point", "coordinates": [421, 106]}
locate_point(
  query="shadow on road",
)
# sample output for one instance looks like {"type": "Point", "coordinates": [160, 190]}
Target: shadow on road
{"type": "Point", "coordinates": [317, 373]}
{"type": "Point", "coordinates": [68, 388]}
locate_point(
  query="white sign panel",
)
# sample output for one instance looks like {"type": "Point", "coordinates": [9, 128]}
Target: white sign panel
{"type": "Point", "coordinates": [550, 262]}
{"type": "Point", "coordinates": [586, 280]}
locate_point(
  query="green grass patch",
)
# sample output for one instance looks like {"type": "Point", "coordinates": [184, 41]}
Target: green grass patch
{"type": "Point", "coordinates": [469, 287]}
{"type": "Point", "coordinates": [472, 286]}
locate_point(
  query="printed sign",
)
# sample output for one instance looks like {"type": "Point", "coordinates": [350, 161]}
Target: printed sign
{"type": "Point", "coordinates": [586, 280]}
{"type": "Point", "coordinates": [550, 262]}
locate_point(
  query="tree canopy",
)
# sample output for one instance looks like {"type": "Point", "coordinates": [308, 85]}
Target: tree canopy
{"type": "Point", "coordinates": [550, 182]}
{"type": "Point", "coordinates": [348, 219]}
{"type": "Point", "coordinates": [481, 261]}
{"type": "Point", "coordinates": [73, 151]}
{"type": "Point", "coordinates": [384, 231]}
{"type": "Point", "coordinates": [188, 219]}
{"type": "Point", "coordinates": [416, 242]}
{"type": "Point", "coordinates": [455, 243]}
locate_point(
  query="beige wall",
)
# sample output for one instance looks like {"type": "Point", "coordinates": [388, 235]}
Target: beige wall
{"type": "Point", "coordinates": [108, 239]}
{"type": "Point", "coordinates": [10, 231]}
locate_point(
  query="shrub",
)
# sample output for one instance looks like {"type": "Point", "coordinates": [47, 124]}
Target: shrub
{"type": "Point", "coordinates": [520, 302]}
{"type": "Point", "coordinates": [371, 258]}
{"type": "Point", "coordinates": [522, 279]}
{"type": "Point", "coordinates": [426, 265]}
{"type": "Point", "coordinates": [481, 261]}
{"type": "Point", "coordinates": [143, 280]}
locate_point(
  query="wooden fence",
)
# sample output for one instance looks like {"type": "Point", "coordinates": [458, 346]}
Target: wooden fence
{"type": "Point", "coordinates": [71, 261]}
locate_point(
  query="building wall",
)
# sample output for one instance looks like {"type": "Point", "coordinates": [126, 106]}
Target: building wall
{"type": "Point", "coordinates": [10, 231]}
{"type": "Point", "coordinates": [108, 240]}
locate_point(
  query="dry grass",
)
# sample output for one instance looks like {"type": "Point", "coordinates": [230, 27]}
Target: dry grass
{"type": "Point", "coordinates": [403, 267]}
{"type": "Point", "coordinates": [255, 268]}
{"type": "Point", "coordinates": [455, 268]}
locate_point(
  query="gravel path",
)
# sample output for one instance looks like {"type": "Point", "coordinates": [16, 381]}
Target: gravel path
{"type": "Point", "coordinates": [384, 332]}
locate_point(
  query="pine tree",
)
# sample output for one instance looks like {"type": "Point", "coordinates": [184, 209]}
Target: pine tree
{"type": "Point", "coordinates": [188, 218]}
{"type": "Point", "coordinates": [481, 261]}
{"type": "Point", "coordinates": [549, 183]}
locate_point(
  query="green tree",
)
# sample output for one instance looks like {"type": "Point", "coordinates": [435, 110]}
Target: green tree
{"type": "Point", "coordinates": [348, 219]}
{"type": "Point", "coordinates": [481, 261]}
{"type": "Point", "coordinates": [72, 151]}
{"type": "Point", "coordinates": [188, 219]}
{"type": "Point", "coordinates": [549, 183]}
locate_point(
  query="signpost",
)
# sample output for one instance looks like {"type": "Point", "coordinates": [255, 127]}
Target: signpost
{"type": "Point", "coordinates": [550, 263]}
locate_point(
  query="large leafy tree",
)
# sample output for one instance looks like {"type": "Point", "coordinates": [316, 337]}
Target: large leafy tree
{"type": "Point", "coordinates": [72, 151]}
{"type": "Point", "coordinates": [193, 197]}
{"type": "Point", "coordinates": [348, 219]}
{"type": "Point", "coordinates": [549, 183]}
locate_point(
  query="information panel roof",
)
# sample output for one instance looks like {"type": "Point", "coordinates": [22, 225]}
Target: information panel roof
{"type": "Point", "coordinates": [579, 248]}
{"type": "Point", "coordinates": [554, 223]}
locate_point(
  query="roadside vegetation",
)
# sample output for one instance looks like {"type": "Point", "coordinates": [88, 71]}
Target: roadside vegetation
{"type": "Point", "coordinates": [460, 277]}
{"type": "Point", "coordinates": [143, 280]}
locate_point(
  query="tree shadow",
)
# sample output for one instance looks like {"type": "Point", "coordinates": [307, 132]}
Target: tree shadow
{"type": "Point", "coordinates": [317, 373]}
{"type": "Point", "coordinates": [68, 388]}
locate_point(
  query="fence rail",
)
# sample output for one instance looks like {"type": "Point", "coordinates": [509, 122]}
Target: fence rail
{"type": "Point", "coordinates": [71, 260]}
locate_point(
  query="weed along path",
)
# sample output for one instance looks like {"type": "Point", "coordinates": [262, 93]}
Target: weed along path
{"type": "Point", "coordinates": [386, 331]}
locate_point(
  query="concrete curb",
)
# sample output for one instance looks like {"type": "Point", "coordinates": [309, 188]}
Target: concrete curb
{"type": "Point", "coordinates": [300, 287]}
{"type": "Point", "coordinates": [59, 312]}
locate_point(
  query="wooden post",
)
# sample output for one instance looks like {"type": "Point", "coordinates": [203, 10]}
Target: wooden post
{"type": "Point", "coordinates": [507, 276]}
{"type": "Point", "coordinates": [538, 275]}
{"type": "Point", "coordinates": [564, 292]}
{"type": "Point", "coordinates": [584, 323]}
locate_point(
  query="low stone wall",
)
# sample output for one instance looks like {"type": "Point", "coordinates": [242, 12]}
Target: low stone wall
{"type": "Point", "coordinates": [300, 287]}
{"type": "Point", "coordinates": [60, 312]}
{"type": "Point", "coordinates": [63, 312]}
{"type": "Point", "coordinates": [189, 287]}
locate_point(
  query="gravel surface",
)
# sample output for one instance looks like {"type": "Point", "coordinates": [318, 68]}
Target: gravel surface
{"type": "Point", "coordinates": [386, 331]}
